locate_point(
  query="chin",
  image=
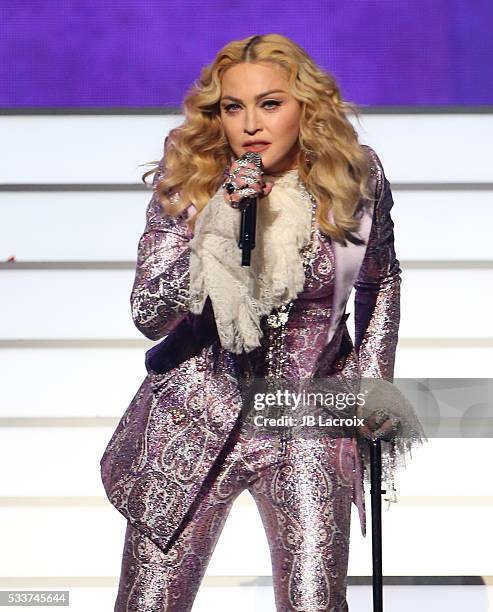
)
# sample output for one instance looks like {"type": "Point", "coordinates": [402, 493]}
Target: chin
{"type": "Point", "coordinates": [274, 168]}
{"type": "Point", "coordinates": [269, 164]}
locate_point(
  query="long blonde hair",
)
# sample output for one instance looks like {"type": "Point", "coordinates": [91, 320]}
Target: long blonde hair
{"type": "Point", "coordinates": [331, 162]}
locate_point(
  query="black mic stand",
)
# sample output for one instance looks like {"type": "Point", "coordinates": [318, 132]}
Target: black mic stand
{"type": "Point", "coordinates": [376, 522]}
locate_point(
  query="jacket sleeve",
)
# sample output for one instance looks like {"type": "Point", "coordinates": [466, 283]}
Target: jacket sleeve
{"type": "Point", "coordinates": [377, 290]}
{"type": "Point", "coordinates": [160, 294]}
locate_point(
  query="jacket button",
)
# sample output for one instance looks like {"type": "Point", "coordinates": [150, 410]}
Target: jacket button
{"type": "Point", "coordinates": [178, 415]}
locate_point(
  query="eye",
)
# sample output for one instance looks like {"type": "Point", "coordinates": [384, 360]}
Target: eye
{"type": "Point", "coordinates": [271, 103]}
{"type": "Point", "coordinates": [229, 107]}
{"type": "Point", "coordinates": [267, 104]}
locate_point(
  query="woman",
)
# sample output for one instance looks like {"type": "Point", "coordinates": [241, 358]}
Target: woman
{"type": "Point", "coordinates": [188, 444]}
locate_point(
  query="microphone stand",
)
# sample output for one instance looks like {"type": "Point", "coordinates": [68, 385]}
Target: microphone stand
{"type": "Point", "coordinates": [376, 522]}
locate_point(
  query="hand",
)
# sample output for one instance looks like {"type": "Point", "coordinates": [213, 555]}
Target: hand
{"type": "Point", "coordinates": [247, 180]}
{"type": "Point", "coordinates": [377, 425]}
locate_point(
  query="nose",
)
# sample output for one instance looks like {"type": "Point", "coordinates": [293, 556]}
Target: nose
{"type": "Point", "coordinates": [252, 122]}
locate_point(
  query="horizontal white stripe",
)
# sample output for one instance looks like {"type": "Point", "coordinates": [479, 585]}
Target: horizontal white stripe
{"type": "Point", "coordinates": [25, 501]}
{"type": "Point", "coordinates": [106, 226]}
{"type": "Point", "coordinates": [99, 149]}
{"type": "Point", "coordinates": [85, 382]}
{"type": "Point", "coordinates": [218, 582]}
{"type": "Point", "coordinates": [66, 463]}
{"type": "Point", "coordinates": [89, 541]}
{"type": "Point", "coordinates": [96, 304]}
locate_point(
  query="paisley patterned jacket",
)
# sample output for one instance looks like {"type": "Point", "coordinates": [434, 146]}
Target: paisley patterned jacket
{"type": "Point", "coordinates": [190, 397]}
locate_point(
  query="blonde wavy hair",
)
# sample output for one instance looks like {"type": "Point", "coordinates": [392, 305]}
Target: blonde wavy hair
{"type": "Point", "coordinates": [331, 162]}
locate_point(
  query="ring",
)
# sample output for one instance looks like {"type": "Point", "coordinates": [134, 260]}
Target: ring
{"type": "Point", "coordinates": [229, 184]}
{"type": "Point", "coordinates": [381, 414]}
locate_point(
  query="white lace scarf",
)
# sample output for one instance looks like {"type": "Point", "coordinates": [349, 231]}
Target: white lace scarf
{"type": "Point", "coordinates": [241, 295]}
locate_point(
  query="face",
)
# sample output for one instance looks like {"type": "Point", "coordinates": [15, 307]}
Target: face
{"type": "Point", "coordinates": [256, 107]}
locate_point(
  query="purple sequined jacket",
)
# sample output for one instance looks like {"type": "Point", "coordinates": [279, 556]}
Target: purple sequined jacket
{"type": "Point", "coordinates": [146, 468]}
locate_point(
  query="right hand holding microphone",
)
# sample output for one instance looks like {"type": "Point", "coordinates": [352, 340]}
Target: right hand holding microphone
{"type": "Point", "coordinates": [245, 180]}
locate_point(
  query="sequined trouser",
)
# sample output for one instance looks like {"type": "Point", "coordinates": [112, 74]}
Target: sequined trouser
{"type": "Point", "coordinates": [303, 491]}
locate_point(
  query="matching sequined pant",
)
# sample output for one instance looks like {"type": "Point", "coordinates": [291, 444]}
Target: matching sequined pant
{"type": "Point", "coordinates": [303, 491]}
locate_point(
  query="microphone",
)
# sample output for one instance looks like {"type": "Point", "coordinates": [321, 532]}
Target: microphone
{"type": "Point", "coordinates": [248, 221]}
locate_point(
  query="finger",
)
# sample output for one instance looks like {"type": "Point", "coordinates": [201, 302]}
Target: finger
{"type": "Point", "coordinates": [384, 431]}
{"type": "Point", "coordinates": [267, 189]}
{"type": "Point", "coordinates": [250, 169]}
{"type": "Point", "coordinates": [365, 432]}
{"type": "Point", "coordinates": [370, 423]}
{"type": "Point", "coordinates": [245, 180]}
{"type": "Point", "coordinates": [251, 166]}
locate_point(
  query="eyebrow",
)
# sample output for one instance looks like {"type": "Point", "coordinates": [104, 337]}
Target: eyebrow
{"type": "Point", "coordinates": [261, 95]}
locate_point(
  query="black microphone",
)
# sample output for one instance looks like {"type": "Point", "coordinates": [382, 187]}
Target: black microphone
{"type": "Point", "coordinates": [248, 222]}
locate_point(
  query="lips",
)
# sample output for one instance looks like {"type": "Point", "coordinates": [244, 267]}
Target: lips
{"type": "Point", "coordinates": [257, 146]}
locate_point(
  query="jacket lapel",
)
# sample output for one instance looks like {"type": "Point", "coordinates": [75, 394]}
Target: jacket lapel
{"type": "Point", "coordinates": [348, 260]}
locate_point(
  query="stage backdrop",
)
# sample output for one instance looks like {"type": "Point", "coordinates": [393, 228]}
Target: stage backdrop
{"type": "Point", "coordinates": [145, 53]}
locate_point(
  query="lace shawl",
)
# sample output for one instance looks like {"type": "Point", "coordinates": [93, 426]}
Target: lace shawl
{"type": "Point", "coordinates": [241, 295]}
